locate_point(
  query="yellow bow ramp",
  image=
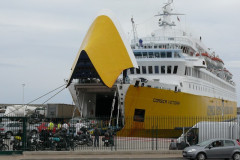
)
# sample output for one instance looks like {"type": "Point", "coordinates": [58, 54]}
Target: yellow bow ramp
{"type": "Point", "coordinates": [107, 49]}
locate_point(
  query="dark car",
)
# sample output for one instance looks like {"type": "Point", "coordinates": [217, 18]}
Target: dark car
{"type": "Point", "coordinates": [214, 148]}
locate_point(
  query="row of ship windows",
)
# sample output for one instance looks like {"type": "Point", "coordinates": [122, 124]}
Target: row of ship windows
{"type": "Point", "coordinates": [157, 70]}
{"type": "Point", "coordinates": [185, 49]}
{"type": "Point", "coordinates": [157, 55]}
{"type": "Point", "coordinates": [198, 74]}
{"type": "Point", "coordinates": [206, 89]}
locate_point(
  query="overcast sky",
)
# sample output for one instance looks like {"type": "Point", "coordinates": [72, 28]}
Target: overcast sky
{"type": "Point", "coordinates": [39, 39]}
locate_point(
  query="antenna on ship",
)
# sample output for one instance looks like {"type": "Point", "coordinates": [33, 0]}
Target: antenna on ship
{"type": "Point", "coordinates": [135, 37]}
{"type": "Point", "coordinates": [166, 15]}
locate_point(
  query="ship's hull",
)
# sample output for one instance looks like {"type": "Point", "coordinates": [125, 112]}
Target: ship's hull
{"type": "Point", "coordinates": [167, 112]}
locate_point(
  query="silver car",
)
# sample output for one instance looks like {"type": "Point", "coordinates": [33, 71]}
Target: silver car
{"type": "Point", "coordinates": [214, 148]}
{"type": "Point", "coordinates": [11, 128]}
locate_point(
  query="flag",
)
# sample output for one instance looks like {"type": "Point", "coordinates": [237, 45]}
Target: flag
{"type": "Point", "coordinates": [132, 20]}
{"type": "Point", "coordinates": [178, 19]}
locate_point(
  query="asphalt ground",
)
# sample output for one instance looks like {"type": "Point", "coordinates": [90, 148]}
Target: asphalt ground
{"type": "Point", "coordinates": [54, 155]}
{"type": "Point", "coordinates": [130, 155]}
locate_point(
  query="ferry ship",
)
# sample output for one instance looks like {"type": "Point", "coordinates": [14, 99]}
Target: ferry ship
{"type": "Point", "coordinates": [165, 75]}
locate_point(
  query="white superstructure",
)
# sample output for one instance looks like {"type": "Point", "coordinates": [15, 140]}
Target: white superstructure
{"type": "Point", "coordinates": [174, 57]}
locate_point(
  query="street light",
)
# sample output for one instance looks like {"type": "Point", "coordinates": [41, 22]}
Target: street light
{"type": "Point", "coordinates": [23, 85]}
{"type": "Point", "coordinates": [222, 108]}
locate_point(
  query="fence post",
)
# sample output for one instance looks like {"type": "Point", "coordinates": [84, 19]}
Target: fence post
{"type": "Point", "coordinates": [156, 138]}
{"type": "Point", "coordinates": [115, 141]}
{"type": "Point", "coordinates": [152, 138]}
{"type": "Point", "coordinates": [24, 140]}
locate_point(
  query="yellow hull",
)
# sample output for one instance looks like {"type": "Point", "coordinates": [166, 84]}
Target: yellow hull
{"type": "Point", "coordinates": [167, 111]}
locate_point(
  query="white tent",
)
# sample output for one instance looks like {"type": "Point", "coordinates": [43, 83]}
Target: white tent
{"type": "Point", "coordinates": [18, 110]}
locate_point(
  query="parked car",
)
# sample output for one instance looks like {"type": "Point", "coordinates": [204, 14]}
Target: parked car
{"type": "Point", "coordinates": [34, 128]}
{"type": "Point", "coordinates": [85, 122]}
{"type": "Point", "coordinates": [214, 148]}
{"type": "Point", "coordinates": [44, 125]}
{"type": "Point", "coordinates": [11, 128]}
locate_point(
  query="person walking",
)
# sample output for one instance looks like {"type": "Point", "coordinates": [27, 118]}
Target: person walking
{"type": "Point", "coordinates": [96, 134]}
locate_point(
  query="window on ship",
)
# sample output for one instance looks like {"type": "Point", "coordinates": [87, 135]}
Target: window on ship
{"type": "Point", "coordinates": [175, 69]}
{"type": "Point", "coordinates": [150, 55]}
{"type": "Point", "coordinates": [145, 55]}
{"type": "Point", "coordinates": [157, 54]}
{"type": "Point", "coordinates": [139, 115]}
{"type": "Point", "coordinates": [150, 70]}
{"type": "Point", "coordinates": [138, 70]}
{"type": "Point", "coordinates": [144, 71]}
{"type": "Point", "coordinates": [156, 69]}
{"type": "Point", "coordinates": [132, 70]}
{"type": "Point", "coordinates": [163, 69]}
{"type": "Point", "coordinates": [186, 71]}
{"type": "Point", "coordinates": [169, 69]}
{"type": "Point", "coordinates": [163, 55]}
{"type": "Point", "coordinates": [169, 54]}
{"type": "Point", "coordinates": [176, 55]}
{"type": "Point", "coordinates": [138, 54]}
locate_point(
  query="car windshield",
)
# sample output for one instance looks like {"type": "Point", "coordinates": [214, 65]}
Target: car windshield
{"type": "Point", "coordinates": [204, 143]}
{"type": "Point", "coordinates": [74, 121]}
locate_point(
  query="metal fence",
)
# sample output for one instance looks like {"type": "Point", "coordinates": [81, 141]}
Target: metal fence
{"type": "Point", "coordinates": [130, 133]}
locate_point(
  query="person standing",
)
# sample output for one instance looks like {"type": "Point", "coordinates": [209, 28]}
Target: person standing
{"type": "Point", "coordinates": [96, 134]}
{"type": "Point", "coordinates": [78, 126]}
{"type": "Point", "coordinates": [65, 126]}
{"type": "Point", "coordinates": [59, 126]}
{"type": "Point", "coordinates": [50, 126]}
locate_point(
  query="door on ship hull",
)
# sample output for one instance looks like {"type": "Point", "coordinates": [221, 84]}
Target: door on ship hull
{"type": "Point", "coordinates": [104, 105]}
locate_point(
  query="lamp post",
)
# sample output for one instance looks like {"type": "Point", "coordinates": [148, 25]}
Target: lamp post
{"type": "Point", "coordinates": [222, 108]}
{"type": "Point", "coordinates": [23, 85]}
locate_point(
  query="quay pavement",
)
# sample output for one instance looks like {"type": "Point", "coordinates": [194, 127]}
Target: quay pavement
{"type": "Point", "coordinates": [91, 155]}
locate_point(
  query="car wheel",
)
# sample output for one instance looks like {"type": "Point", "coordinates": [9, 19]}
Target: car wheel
{"type": "Point", "coordinates": [236, 156]}
{"type": "Point", "coordinates": [5, 147]}
{"type": "Point", "coordinates": [90, 143]}
{"type": "Point", "coordinates": [201, 156]}
{"type": "Point", "coordinates": [8, 135]}
{"type": "Point", "coordinates": [34, 132]}
{"type": "Point", "coordinates": [33, 148]}
{"type": "Point", "coordinates": [39, 148]}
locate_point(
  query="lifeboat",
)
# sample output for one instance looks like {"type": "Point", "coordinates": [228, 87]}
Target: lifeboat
{"type": "Point", "coordinates": [218, 63]}
{"type": "Point", "coordinates": [228, 75]}
{"type": "Point", "coordinates": [207, 58]}
{"type": "Point", "coordinates": [220, 73]}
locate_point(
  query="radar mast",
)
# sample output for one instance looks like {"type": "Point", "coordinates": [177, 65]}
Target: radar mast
{"type": "Point", "coordinates": [165, 17]}
{"type": "Point", "coordinates": [135, 37]}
